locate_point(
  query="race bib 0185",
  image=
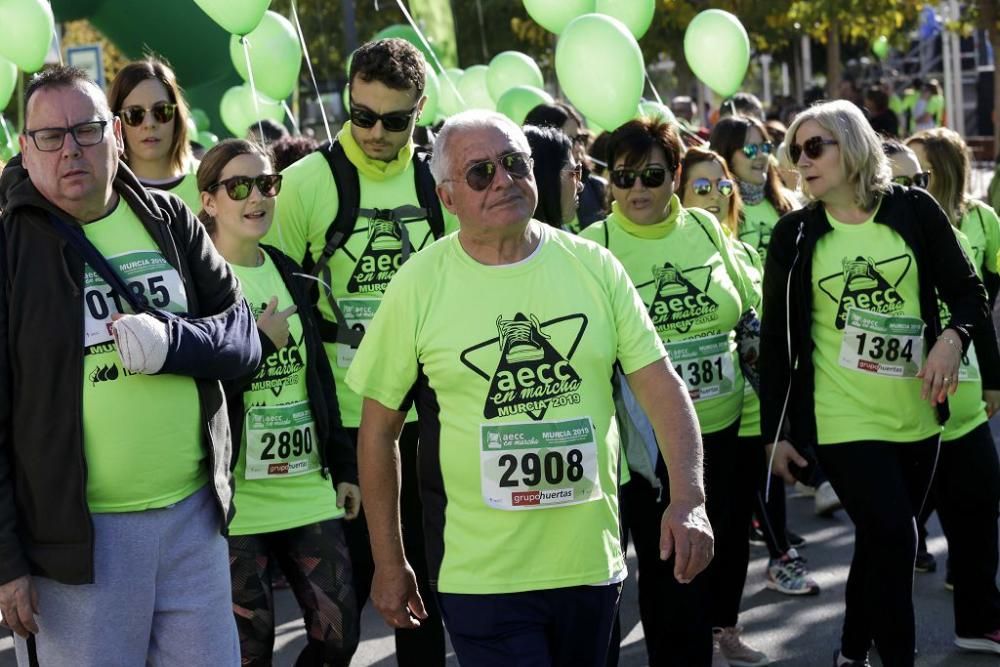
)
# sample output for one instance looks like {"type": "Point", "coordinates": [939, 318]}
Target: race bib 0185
{"type": "Point", "coordinates": [534, 465]}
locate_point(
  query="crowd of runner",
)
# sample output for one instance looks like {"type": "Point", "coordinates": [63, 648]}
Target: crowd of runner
{"type": "Point", "coordinates": [455, 377]}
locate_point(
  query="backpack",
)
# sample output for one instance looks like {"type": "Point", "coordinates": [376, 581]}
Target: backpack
{"type": "Point", "coordinates": [345, 175]}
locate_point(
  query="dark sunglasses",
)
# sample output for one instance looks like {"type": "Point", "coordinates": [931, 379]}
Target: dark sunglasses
{"type": "Point", "coordinates": [480, 175]}
{"type": "Point", "coordinates": [751, 150]}
{"type": "Point", "coordinates": [239, 187]}
{"type": "Point", "coordinates": [921, 179]}
{"type": "Point", "coordinates": [394, 121]}
{"type": "Point", "coordinates": [703, 186]}
{"type": "Point", "coordinates": [812, 147]}
{"type": "Point", "coordinates": [651, 177]}
{"type": "Point", "coordinates": [133, 116]}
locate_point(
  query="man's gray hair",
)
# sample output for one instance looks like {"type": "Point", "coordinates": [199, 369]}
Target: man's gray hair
{"type": "Point", "coordinates": [473, 119]}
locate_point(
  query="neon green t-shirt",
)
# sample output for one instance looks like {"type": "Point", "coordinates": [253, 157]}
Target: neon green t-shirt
{"type": "Point", "coordinates": [967, 407]}
{"type": "Point", "coordinates": [283, 485]}
{"type": "Point", "coordinates": [868, 337]}
{"type": "Point", "coordinates": [757, 224]}
{"type": "Point", "coordinates": [520, 480]}
{"type": "Point", "coordinates": [142, 434]}
{"type": "Point", "coordinates": [981, 226]}
{"type": "Point", "coordinates": [695, 291]}
{"type": "Point", "coordinates": [186, 188]}
{"type": "Point", "coordinates": [362, 267]}
{"type": "Point", "coordinates": [750, 419]}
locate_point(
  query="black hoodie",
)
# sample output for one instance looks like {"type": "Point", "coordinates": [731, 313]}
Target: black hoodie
{"type": "Point", "coordinates": [45, 525]}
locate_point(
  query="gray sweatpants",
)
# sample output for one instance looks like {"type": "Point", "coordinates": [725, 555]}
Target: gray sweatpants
{"type": "Point", "coordinates": [161, 595]}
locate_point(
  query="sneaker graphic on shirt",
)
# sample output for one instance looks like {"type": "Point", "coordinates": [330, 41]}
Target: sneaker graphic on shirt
{"type": "Point", "coordinates": [680, 298]}
{"type": "Point", "coordinates": [867, 284]}
{"type": "Point", "coordinates": [531, 364]}
{"type": "Point", "coordinates": [380, 259]}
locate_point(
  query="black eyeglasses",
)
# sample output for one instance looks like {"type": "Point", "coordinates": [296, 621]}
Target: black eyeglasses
{"type": "Point", "coordinates": [921, 179]}
{"type": "Point", "coordinates": [703, 186]}
{"type": "Point", "coordinates": [51, 139]}
{"type": "Point", "coordinates": [813, 148]}
{"type": "Point", "coordinates": [575, 170]}
{"type": "Point", "coordinates": [239, 187]}
{"type": "Point", "coordinates": [480, 175]}
{"type": "Point", "coordinates": [651, 177]}
{"type": "Point", "coordinates": [751, 150]}
{"type": "Point", "coordinates": [394, 121]}
{"type": "Point", "coordinates": [133, 115]}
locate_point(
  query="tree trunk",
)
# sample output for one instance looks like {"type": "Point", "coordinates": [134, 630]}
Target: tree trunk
{"type": "Point", "coordinates": [834, 68]}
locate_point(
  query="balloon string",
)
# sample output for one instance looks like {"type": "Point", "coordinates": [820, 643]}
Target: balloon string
{"type": "Point", "coordinates": [656, 94]}
{"type": "Point", "coordinates": [291, 116]}
{"type": "Point", "coordinates": [253, 89]}
{"type": "Point", "coordinates": [427, 46]}
{"type": "Point", "coordinates": [312, 74]}
{"type": "Point", "coordinates": [683, 130]}
{"type": "Point", "coordinates": [6, 132]}
{"type": "Point", "coordinates": [55, 35]}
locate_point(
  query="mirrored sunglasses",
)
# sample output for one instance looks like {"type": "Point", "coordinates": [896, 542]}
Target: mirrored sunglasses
{"type": "Point", "coordinates": [751, 150]}
{"type": "Point", "coordinates": [239, 187]}
{"type": "Point", "coordinates": [921, 179]}
{"type": "Point", "coordinates": [703, 186]}
{"type": "Point", "coordinates": [163, 112]}
{"type": "Point", "coordinates": [480, 175]}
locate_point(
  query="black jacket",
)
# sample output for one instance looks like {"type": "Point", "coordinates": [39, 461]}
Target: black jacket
{"type": "Point", "coordinates": [943, 271]}
{"type": "Point", "coordinates": [45, 525]}
{"type": "Point", "coordinates": [336, 450]}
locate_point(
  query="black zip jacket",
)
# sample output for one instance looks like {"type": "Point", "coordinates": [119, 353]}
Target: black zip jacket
{"type": "Point", "coordinates": [45, 524]}
{"type": "Point", "coordinates": [943, 271]}
{"type": "Point", "coordinates": [336, 449]}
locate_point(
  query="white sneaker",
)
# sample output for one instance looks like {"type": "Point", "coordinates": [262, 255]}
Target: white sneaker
{"type": "Point", "coordinates": [737, 652]}
{"type": "Point", "coordinates": [827, 501]}
{"type": "Point", "coordinates": [718, 660]}
{"type": "Point", "coordinates": [804, 490]}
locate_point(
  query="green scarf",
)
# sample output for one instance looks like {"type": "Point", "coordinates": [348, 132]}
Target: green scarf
{"type": "Point", "coordinates": [657, 230]}
{"type": "Point", "coordinates": [377, 170]}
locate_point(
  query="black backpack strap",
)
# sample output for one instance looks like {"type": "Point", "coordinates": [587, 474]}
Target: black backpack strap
{"type": "Point", "coordinates": [701, 224]}
{"type": "Point", "coordinates": [427, 191]}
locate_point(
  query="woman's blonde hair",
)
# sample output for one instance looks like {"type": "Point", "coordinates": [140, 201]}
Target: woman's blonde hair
{"type": "Point", "coordinates": [861, 157]}
{"type": "Point", "coordinates": [950, 167]}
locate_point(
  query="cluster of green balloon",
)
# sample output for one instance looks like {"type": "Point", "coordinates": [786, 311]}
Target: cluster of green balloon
{"type": "Point", "coordinates": [238, 18]}
{"type": "Point", "coordinates": [239, 112]}
{"type": "Point", "coordinates": [202, 126]}
{"type": "Point", "coordinates": [880, 47]}
{"type": "Point", "coordinates": [519, 100]}
{"type": "Point", "coordinates": [8, 81]}
{"type": "Point", "coordinates": [554, 15]}
{"type": "Point", "coordinates": [403, 31]}
{"type": "Point", "coordinates": [717, 49]}
{"type": "Point", "coordinates": [25, 32]}
{"type": "Point", "coordinates": [655, 111]}
{"type": "Point", "coordinates": [637, 15]}
{"type": "Point", "coordinates": [450, 102]}
{"type": "Point", "coordinates": [473, 89]}
{"type": "Point", "coordinates": [600, 69]}
{"type": "Point", "coordinates": [275, 56]}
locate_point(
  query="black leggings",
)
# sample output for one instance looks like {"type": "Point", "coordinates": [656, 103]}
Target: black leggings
{"type": "Point", "coordinates": [966, 493]}
{"type": "Point", "coordinates": [882, 486]}
{"type": "Point", "coordinates": [423, 646]}
{"type": "Point", "coordinates": [316, 564]}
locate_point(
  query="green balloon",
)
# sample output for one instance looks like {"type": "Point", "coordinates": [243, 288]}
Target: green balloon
{"type": "Point", "coordinates": [404, 31]}
{"type": "Point", "coordinates": [594, 126]}
{"type": "Point", "coordinates": [519, 100]}
{"type": "Point", "coordinates": [509, 69]}
{"type": "Point", "coordinates": [8, 81]}
{"type": "Point", "coordinates": [880, 47]}
{"type": "Point", "coordinates": [472, 88]}
{"type": "Point", "coordinates": [25, 32]}
{"type": "Point", "coordinates": [655, 110]}
{"type": "Point", "coordinates": [637, 15]}
{"type": "Point", "coordinates": [555, 15]}
{"type": "Point", "coordinates": [275, 56]}
{"type": "Point", "coordinates": [600, 68]}
{"type": "Point", "coordinates": [432, 90]}
{"type": "Point", "coordinates": [192, 127]}
{"type": "Point", "coordinates": [207, 139]}
{"type": "Point", "coordinates": [450, 103]}
{"type": "Point", "coordinates": [238, 18]}
{"type": "Point", "coordinates": [717, 49]}
{"type": "Point", "coordinates": [239, 113]}
{"type": "Point", "coordinates": [201, 120]}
